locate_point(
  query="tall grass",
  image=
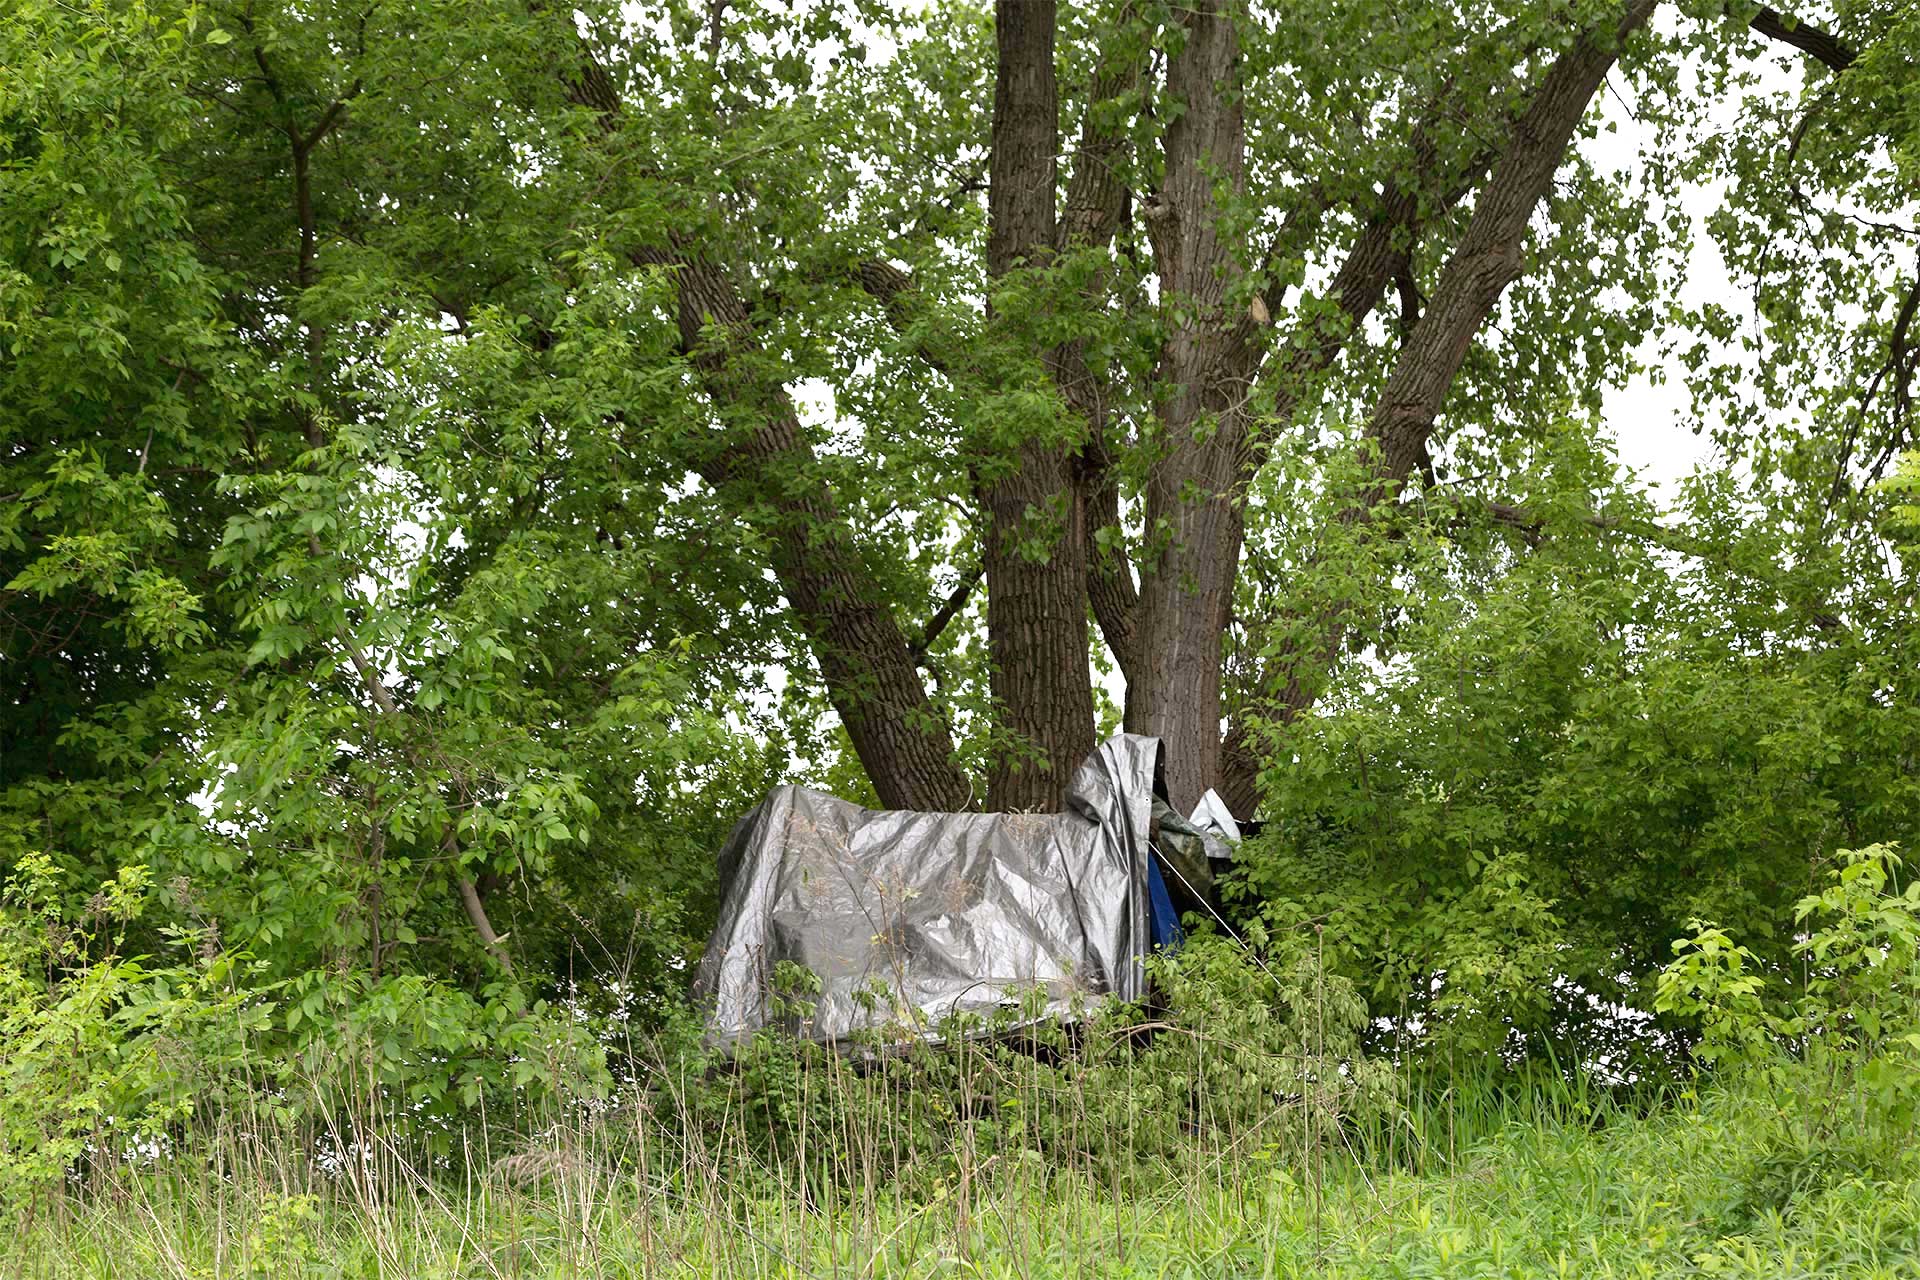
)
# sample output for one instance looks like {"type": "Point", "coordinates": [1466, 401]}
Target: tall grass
{"type": "Point", "coordinates": [1235, 1127]}
{"type": "Point", "coordinates": [1004, 1159]}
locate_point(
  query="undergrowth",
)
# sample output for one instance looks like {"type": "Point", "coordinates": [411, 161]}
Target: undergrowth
{"type": "Point", "coordinates": [1235, 1127]}
{"type": "Point", "coordinates": [1539, 1185]}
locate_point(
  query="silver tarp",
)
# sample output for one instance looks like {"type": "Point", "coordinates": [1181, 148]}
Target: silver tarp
{"type": "Point", "coordinates": [907, 918]}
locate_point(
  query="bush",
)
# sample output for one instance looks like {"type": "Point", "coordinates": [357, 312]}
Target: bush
{"type": "Point", "coordinates": [1236, 1052]}
{"type": "Point", "coordinates": [1839, 1047]}
{"type": "Point", "coordinates": [106, 1057]}
{"type": "Point", "coordinates": [105, 1053]}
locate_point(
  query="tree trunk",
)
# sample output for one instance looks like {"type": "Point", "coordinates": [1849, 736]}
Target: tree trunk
{"type": "Point", "coordinates": [1193, 521]}
{"type": "Point", "coordinates": [1096, 207]}
{"type": "Point", "coordinates": [865, 659]}
{"type": "Point", "coordinates": [1036, 541]}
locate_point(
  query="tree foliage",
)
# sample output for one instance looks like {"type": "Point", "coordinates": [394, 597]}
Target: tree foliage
{"type": "Point", "coordinates": [455, 457]}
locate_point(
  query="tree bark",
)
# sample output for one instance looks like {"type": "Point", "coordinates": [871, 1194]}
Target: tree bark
{"type": "Point", "coordinates": [1096, 206]}
{"type": "Point", "coordinates": [865, 659]}
{"type": "Point", "coordinates": [476, 909]}
{"type": "Point", "coordinates": [1036, 538]}
{"type": "Point", "coordinates": [1488, 257]}
{"type": "Point", "coordinates": [1193, 526]}
{"type": "Point", "coordinates": [1490, 251]}
{"type": "Point", "coordinates": [866, 662]}
{"type": "Point", "coordinates": [1041, 512]}
{"type": "Point", "coordinates": [1821, 45]}
{"type": "Point", "coordinates": [1110, 586]}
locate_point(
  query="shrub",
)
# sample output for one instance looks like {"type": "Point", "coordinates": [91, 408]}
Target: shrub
{"type": "Point", "coordinates": [1236, 1052]}
{"type": "Point", "coordinates": [106, 1056]}
{"type": "Point", "coordinates": [1840, 1047]}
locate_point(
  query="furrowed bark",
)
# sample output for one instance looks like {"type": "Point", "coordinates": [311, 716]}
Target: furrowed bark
{"type": "Point", "coordinates": [1192, 522]}
{"type": "Point", "coordinates": [1023, 167]}
{"type": "Point", "coordinates": [1490, 252]}
{"type": "Point", "coordinates": [1380, 255]}
{"type": "Point", "coordinates": [1110, 585]}
{"type": "Point", "coordinates": [1036, 541]}
{"type": "Point", "coordinates": [1233, 355]}
{"type": "Point", "coordinates": [864, 657]}
{"type": "Point", "coordinates": [1821, 45]}
{"type": "Point", "coordinates": [1095, 205]}
{"type": "Point", "coordinates": [1048, 610]}
{"type": "Point", "coordinates": [865, 660]}
{"type": "Point", "coordinates": [1487, 259]}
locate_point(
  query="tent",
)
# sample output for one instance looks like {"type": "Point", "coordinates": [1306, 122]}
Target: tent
{"type": "Point", "coordinates": [907, 918]}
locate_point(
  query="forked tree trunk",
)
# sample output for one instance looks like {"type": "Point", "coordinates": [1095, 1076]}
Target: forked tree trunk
{"type": "Point", "coordinates": [1169, 635]}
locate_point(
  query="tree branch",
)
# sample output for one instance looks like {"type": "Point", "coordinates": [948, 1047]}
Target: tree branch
{"type": "Point", "coordinates": [450, 839]}
{"type": "Point", "coordinates": [1489, 253]}
{"type": "Point", "coordinates": [767, 464]}
{"type": "Point", "coordinates": [892, 287]}
{"type": "Point", "coordinates": [1486, 260]}
{"type": "Point", "coordinates": [1675, 540]}
{"type": "Point", "coordinates": [328, 119]}
{"type": "Point", "coordinates": [1380, 254]}
{"type": "Point", "coordinates": [302, 145]}
{"type": "Point", "coordinates": [1110, 586]}
{"type": "Point", "coordinates": [864, 659]}
{"type": "Point", "coordinates": [1824, 47]}
{"type": "Point", "coordinates": [1094, 209]}
{"type": "Point", "coordinates": [1037, 646]}
{"type": "Point", "coordinates": [476, 909]}
{"type": "Point", "coordinates": [943, 616]}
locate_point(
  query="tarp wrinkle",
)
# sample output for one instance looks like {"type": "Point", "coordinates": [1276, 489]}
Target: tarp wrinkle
{"type": "Point", "coordinates": [909, 918]}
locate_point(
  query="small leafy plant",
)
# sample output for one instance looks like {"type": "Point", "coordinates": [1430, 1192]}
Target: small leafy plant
{"type": "Point", "coordinates": [1839, 1049]}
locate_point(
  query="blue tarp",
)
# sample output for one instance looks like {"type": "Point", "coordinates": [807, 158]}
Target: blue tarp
{"type": "Point", "coordinates": [1163, 920]}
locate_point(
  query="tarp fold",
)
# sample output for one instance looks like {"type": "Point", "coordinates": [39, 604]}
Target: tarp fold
{"type": "Point", "coordinates": [908, 918]}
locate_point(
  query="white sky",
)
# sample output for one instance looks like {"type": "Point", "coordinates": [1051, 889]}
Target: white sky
{"type": "Point", "coordinates": [1652, 423]}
